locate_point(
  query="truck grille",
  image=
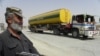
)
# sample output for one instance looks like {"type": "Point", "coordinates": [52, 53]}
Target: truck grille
{"type": "Point", "coordinates": [91, 28]}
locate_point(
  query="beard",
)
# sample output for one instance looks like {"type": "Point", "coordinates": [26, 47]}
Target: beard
{"type": "Point", "coordinates": [16, 27]}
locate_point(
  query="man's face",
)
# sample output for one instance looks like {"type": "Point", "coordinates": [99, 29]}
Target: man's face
{"type": "Point", "coordinates": [17, 23]}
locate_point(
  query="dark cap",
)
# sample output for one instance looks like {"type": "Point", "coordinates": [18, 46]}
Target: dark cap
{"type": "Point", "coordinates": [14, 10]}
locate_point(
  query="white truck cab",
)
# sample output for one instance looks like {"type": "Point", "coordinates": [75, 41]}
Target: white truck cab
{"type": "Point", "coordinates": [85, 25]}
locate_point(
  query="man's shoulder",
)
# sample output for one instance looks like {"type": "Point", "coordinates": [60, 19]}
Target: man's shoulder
{"type": "Point", "coordinates": [4, 34]}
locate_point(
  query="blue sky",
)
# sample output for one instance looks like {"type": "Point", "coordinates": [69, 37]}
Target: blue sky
{"type": "Point", "coordinates": [34, 7]}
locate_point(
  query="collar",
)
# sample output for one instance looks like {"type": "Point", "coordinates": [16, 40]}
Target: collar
{"type": "Point", "coordinates": [9, 34]}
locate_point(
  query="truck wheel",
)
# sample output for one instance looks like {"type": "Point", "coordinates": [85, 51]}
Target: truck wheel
{"type": "Point", "coordinates": [75, 33]}
{"type": "Point", "coordinates": [64, 33]}
{"type": "Point", "coordinates": [85, 37]}
{"type": "Point", "coordinates": [31, 29]}
{"type": "Point", "coordinates": [56, 32]}
{"type": "Point", "coordinates": [40, 31]}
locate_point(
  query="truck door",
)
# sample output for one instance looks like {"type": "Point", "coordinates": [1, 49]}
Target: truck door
{"type": "Point", "coordinates": [78, 21]}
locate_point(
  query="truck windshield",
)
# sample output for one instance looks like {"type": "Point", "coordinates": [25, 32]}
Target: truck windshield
{"type": "Point", "coordinates": [84, 18]}
{"type": "Point", "coordinates": [89, 19]}
{"type": "Point", "coordinates": [80, 18]}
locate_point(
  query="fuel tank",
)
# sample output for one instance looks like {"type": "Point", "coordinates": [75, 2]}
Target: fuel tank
{"type": "Point", "coordinates": [52, 17]}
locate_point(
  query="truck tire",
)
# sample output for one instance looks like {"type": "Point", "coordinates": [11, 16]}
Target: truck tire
{"type": "Point", "coordinates": [64, 33]}
{"type": "Point", "coordinates": [75, 33]}
{"type": "Point", "coordinates": [85, 37]}
{"type": "Point", "coordinates": [56, 32]}
{"type": "Point", "coordinates": [31, 29]}
{"type": "Point", "coordinates": [40, 31]}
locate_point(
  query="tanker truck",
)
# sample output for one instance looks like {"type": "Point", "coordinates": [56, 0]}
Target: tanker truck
{"type": "Point", "coordinates": [61, 21]}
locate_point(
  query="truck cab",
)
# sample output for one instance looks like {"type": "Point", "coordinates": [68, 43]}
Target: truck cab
{"type": "Point", "coordinates": [85, 25]}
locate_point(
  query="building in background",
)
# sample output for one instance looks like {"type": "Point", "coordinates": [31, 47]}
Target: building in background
{"type": "Point", "coordinates": [2, 27]}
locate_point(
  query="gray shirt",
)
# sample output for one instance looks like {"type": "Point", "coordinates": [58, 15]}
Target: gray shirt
{"type": "Point", "coordinates": [10, 45]}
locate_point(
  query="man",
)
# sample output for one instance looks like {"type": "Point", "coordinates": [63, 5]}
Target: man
{"type": "Point", "coordinates": [12, 41]}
